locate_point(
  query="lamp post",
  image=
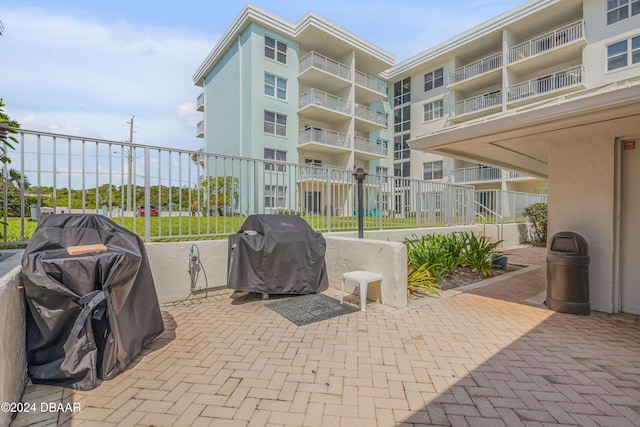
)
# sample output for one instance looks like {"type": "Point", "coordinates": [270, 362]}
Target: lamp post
{"type": "Point", "coordinates": [360, 174]}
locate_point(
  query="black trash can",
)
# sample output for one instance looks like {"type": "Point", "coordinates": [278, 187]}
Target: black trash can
{"type": "Point", "coordinates": [568, 273]}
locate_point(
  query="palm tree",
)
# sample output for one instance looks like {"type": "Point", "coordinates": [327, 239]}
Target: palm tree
{"type": "Point", "coordinates": [16, 178]}
{"type": "Point", "coordinates": [198, 159]}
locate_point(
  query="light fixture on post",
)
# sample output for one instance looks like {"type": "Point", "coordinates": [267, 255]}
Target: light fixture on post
{"type": "Point", "coordinates": [360, 174]}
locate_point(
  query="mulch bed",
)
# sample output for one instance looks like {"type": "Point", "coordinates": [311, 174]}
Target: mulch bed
{"type": "Point", "coordinates": [464, 276]}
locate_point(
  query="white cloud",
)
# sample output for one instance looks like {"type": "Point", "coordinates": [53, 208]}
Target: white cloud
{"type": "Point", "coordinates": [72, 75]}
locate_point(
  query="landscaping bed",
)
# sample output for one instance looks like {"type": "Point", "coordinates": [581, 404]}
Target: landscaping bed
{"type": "Point", "coordinates": [441, 262]}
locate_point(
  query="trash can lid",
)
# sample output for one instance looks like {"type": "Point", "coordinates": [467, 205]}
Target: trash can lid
{"type": "Point", "coordinates": [568, 243]}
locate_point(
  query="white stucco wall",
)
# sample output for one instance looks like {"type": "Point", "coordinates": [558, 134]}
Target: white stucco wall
{"type": "Point", "coordinates": [387, 258]}
{"type": "Point", "coordinates": [13, 358]}
{"type": "Point", "coordinates": [380, 251]}
{"type": "Point", "coordinates": [170, 266]}
{"type": "Point", "coordinates": [581, 199]}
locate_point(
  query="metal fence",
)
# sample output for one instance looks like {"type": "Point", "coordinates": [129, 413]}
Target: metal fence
{"type": "Point", "coordinates": [503, 206]}
{"type": "Point", "coordinates": [166, 193]}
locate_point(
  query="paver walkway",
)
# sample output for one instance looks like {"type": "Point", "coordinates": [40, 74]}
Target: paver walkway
{"type": "Point", "coordinates": [483, 357]}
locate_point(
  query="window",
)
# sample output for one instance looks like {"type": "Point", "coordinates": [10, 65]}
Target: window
{"type": "Point", "coordinates": [275, 196]}
{"type": "Point", "coordinates": [401, 149]}
{"type": "Point", "coordinates": [432, 170]}
{"type": "Point", "coordinates": [278, 155]}
{"type": "Point", "coordinates": [433, 110]}
{"type": "Point", "coordinates": [434, 79]}
{"type": "Point", "coordinates": [623, 53]}
{"type": "Point", "coordinates": [402, 170]}
{"type": "Point", "coordinates": [402, 119]}
{"type": "Point", "coordinates": [381, 170]}
{"type": "Point", "coordinates": [275, 49]}
{"type": "Point", "coordinates": [275, 124]}
{"type": "Point", "coordinates": [617, 10]}
{"type": "Point", "coordinates": [275, 86]}
{"type": "Point", "coordinates": [402, 92]}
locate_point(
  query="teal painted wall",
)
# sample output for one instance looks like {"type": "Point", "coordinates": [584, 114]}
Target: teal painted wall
{"type": "Point", "coordinates": [222, 105]}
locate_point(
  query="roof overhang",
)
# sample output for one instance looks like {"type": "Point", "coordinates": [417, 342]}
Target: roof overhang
{"type": "Point", "coordinates": [517, 140]}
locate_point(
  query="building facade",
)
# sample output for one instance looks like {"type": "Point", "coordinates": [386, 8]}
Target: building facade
{"type": "Point", "coordinates": [544, 96]}
{"type": "Point", "coordinates": [305, 93]}
{"type": "Point", "coordinates": [551, 89]}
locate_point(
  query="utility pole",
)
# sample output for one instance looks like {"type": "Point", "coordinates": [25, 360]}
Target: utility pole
{"type": "Point", "coordinates": [129, 164]}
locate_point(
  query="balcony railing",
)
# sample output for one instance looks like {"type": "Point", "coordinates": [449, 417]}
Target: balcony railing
{"type": "Point", "coordinates": [476, 68]}
{"type": "Point", "coordinates": [557, 81]}
{"type": "Point", "coordinates": [516, 175]}
{"type": "Point", "coordinates": [477, 103]}
{"type": "Point", "coordinates": [475, 174]}
{"type": "Point", "coordinates": [371, 115]}
{"type": "Point", "coordinates": [371, 82]}
{"type": "Point", "coordinates": [324, 136]}
{"type": "Point", "coordinates": [200, 102]}
{"type": "Point", "coordinates": [548, 41]}
{"type": "Point", "coordinates": [315, 60]}
{"type": "Point", "coordinates": [323, 173]}
{"type": "Point", "coordinates": [200, 129]}
{"type": "Point", "coordinates": [372, 146]}
{"type": "Point", "coordinates": [323, 99]}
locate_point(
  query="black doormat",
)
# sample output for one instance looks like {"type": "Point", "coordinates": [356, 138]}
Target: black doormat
{"type": "Point", "coordinates": [305, 309]}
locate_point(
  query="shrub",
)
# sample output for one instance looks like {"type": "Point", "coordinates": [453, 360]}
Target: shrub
{"type": "Point", "coordinates": [480, 253]}
{"type": "Point", "coordinates": [537, 215]}
{"type": "Point", "coordinates": [420, 278]}
{"type": "Point", "coordinates": [442, 254]}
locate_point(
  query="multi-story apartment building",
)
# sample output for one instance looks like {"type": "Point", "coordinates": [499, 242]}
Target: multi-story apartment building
{"type": "Point", "coordinates": [303, 93]}
{"type": "Point", "coordinates": [546, 95]}
{"type": "Point", "coordinates": [550, 89]}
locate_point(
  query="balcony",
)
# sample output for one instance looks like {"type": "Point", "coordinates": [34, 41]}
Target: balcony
{"type": "Point", "coordinates": [324, 140]}
{"type": "Point", "coordinates": [318, 71]}
{"type": "Point", "coordinates": [369, 89]}
{"type": "Point", "coordinates": [370, 120]}
{"type": "Point", "coordinates": [323, 106]}
{"type": "Point", "coordinates": [200, 102]}
{"type": "Point", "coordinates": [553, 84]}
{"type": "Point", "coordinates": [482, 174]}
{"type": "Point", "coordinates": [200, 129]}
{"type": "Point", "coordinates": [371, 149]}
{"type": "Point", "coordinates": [477, 104]}
{"type": "Point", "coordinates": [477, 68]}
{"type": "Point", "coordinates": [476, 174]}
{"type": "Point", "coordinates": [552, 40]}
{"type": "Point", "coordinates": [324, 173]}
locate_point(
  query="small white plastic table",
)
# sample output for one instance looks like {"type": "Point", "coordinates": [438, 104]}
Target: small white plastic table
{"type": "Point", "coordinates": [363, 278]}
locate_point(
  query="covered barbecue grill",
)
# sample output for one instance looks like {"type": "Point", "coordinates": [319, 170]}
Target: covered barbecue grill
{"type": "Point", "coordinates": [277, 254]}
{"type": "Point", "coordinates": [92, 303]}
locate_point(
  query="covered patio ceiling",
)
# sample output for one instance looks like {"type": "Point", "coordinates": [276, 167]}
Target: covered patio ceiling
{"type": "Point", "coordinates": [518, 139]}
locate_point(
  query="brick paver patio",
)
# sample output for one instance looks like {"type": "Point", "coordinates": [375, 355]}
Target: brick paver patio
{"type": "Point", "coordinates": [490, 356]}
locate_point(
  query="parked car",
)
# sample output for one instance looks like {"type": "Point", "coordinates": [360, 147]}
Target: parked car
{"type": "Point", "coordinates": [140, 210]}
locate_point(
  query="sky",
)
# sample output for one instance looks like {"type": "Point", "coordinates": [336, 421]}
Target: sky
{"type": "Point", "coordinates": [85, 68]}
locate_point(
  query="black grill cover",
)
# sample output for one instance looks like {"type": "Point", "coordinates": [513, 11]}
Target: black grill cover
{"type": "Point", "coordinates": [88, 315]}
{"type": "Point", "coordinates": [277, 254]}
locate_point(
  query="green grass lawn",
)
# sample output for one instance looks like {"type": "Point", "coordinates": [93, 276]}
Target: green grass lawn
{"type": "Point", "coordinates": [191, 227]}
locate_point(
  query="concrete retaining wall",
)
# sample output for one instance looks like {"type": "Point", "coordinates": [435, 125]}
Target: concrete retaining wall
{"type": "Point", "coordinates": [170, 264]}
{"type": "Point", "coordinates": [387, 258]}
{"type": "Point", "coordinates": [13, 358]}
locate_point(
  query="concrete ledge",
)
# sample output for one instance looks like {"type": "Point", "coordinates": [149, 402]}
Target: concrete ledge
{"type": "Point", "coordinates": [387, 258]}
{"type": "Point", "coordinates": [13, 357]}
